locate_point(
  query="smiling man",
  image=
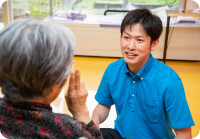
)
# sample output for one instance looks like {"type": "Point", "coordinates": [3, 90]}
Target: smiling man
{"type": "Point", "coordinates": [148, 95]}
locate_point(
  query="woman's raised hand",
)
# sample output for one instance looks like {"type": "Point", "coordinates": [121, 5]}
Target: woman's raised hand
{"type": "Point", "coordinates": [76, 98]}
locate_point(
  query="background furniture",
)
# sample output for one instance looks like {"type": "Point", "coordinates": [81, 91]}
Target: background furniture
{"type": "Point", "coordinates": [175, 13]}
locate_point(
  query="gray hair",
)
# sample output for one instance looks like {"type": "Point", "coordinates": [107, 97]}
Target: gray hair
{"type": "Point", "coordinates": [34, 56]}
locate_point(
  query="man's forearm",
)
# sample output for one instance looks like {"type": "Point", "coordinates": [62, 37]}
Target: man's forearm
{"type": "Point", "coordinates": [100, 114]}
{"type": "Point", "coordinates": [183, 137]}
{"type": "Point", "coordinates": [184, 133]}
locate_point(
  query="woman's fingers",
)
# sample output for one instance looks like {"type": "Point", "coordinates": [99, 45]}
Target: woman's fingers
{"type": "Point", "coordinates": [77, 79]}
{"type": "Point", "coordinates": [83, 88]}
{"type": "Point", "coordinates": [76, 86]}
{"type": "Point", "coordinates": [72, 82]}
{"type": "Point", "coordinates": [76, 98]}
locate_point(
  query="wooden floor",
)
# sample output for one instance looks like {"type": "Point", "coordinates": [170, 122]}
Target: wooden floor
{"type": "Point", "coordinates": [92, 69]}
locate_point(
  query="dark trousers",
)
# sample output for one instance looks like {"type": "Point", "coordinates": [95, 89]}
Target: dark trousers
{"type": "Point", "coordinates": [109, 133]}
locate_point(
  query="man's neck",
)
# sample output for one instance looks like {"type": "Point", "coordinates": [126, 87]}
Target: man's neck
{"type": "Point", "coordinates": [135, 68]}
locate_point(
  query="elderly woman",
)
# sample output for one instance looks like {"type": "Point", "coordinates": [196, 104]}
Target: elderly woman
{"type": "Point", "coordinates": [35, 60]}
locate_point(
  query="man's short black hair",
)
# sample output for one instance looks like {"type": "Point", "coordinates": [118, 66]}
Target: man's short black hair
{"type": "Point", "coordinates": [150, 22]}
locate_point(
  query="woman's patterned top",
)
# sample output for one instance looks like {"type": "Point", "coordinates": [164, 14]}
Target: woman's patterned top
{"type": "Point", "coordinates": [23, 120]}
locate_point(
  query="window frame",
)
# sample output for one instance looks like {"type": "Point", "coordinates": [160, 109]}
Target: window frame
{"type": "Point", "coordinates": [7, 12]}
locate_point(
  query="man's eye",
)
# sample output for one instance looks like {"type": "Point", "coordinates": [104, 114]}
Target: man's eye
{"type": "Point", "coordinates": [139, 40]}
{"type": "Point", "coordinates": [125, 37]}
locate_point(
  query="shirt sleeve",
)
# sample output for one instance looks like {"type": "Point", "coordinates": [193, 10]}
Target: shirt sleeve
{"type": "Point", "coordinates": [177, 107]}
{"type": "Point", "coordinates": [93, 130]}
{"type": "Point", "coordinates": [103, 95]}
{"type": "Point", "coordinates": [90, 131]}
{"type": "Point", "coordinates": [74, 129]}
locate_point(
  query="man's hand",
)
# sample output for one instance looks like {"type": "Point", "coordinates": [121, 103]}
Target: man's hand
{"type": "Point", "coordinates": [76, 98]}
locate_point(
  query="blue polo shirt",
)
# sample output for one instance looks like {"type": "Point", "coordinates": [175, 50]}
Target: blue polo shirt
{"type": "Point", "coordinates": [148, 104]}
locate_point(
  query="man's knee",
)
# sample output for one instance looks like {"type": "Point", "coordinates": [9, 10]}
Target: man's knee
{"type": "Point", "coordinates": [109, 133]}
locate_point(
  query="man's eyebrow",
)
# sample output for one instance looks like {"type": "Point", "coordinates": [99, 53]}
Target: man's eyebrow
{"type": "Point", "coordinates": [133, 36]}
{"type": "Point", "coordinates": [127, 33]}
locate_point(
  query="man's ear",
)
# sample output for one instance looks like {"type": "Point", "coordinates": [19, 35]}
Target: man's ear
{"type": "Point", "coordinates": [154, 45]}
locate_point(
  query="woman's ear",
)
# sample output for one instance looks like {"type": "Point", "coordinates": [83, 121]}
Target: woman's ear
{"type": "Point", "coordinates": [154, 45]}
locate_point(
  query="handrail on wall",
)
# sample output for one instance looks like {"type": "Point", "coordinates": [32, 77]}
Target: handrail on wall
{"type": "Point", "coordinates": [115, 11]}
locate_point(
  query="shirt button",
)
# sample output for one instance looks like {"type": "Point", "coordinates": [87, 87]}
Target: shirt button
{"type": "Point", "coordinates": [133, 95]}
{"type": "Point", "coordinates": [141, 78]}
{"type": "Point", "coordinates": [133, 81]}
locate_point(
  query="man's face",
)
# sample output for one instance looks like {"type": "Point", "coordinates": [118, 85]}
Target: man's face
{"type": "Point", "coordinates": [135, 46]}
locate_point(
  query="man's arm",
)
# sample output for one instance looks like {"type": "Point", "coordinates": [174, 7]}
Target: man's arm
{"type": "Point", "coordinates": [184, 133]}
{"type": "Point", "coordinates": [176, 104]}
{"type": "Point", "coordinates": [100, 114]}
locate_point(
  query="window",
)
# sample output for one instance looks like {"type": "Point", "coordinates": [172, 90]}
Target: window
{"type": "Point", "coordinates": [96, 7]}
{"type": "Point", "coordinates": [99, 6]}
{"type": "Point", "coordinates": [41, 8]}
{"type": "Point", "coordinates": [1, 18]}
{"type": "Point", "coordinates": [151, 4]}
{"type": "Point", "coordinates": [34, 8]}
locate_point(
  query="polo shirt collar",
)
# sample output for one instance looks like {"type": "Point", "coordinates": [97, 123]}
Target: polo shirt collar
{"type": "Point", "coordinates": [143, 72]}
